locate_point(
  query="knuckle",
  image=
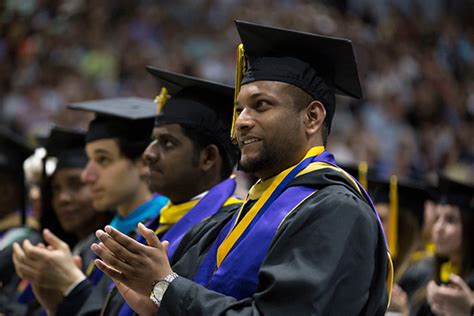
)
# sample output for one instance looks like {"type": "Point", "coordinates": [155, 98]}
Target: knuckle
{"type": "Point", "coordinates": [119, 251]}
{"type": "Point", "coordinates": [114, 260]}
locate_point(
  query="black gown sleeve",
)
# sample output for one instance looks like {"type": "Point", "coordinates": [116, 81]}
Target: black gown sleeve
{"type": "Point", "coordinates": [322, 261]}
{"type": "Point", "coordinates": [71, 304]}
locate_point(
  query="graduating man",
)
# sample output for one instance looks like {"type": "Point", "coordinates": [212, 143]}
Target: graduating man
{"type": "Point", "coordinates": [307, 240]}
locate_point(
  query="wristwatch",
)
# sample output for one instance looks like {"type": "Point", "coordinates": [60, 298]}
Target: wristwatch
{"type": "Point", "coordinates": [160, 287]}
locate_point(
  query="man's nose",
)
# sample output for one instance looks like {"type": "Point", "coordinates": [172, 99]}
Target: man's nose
{"type": "Point", "coordinates": [64, 196]}
{"type": "Point", "coordinates": [244, 120]}
{"type": "Point", "coordinates": [150, 154]}
{"type": "Point", "coordinates": [88, 175]}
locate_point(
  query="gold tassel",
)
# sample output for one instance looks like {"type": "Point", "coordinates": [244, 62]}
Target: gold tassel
{"type": "Point", "coordinates": [446, 270]}
{"type": "Point", "coordinates": [393, 217]}
{"type": "Point", "coordinates": [239, 71]}
{"type": "Point", "coordinates": [363, 169]}
{"type": "Point", "coordinates": [161, 99]}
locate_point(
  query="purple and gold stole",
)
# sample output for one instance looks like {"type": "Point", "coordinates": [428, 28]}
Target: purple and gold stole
{"type": "Point", "coordinates": [217, 197]}
{"type": "Point", "coordinates": [214, 199]}
{"type": "Point", "coordinates": [232, 264]}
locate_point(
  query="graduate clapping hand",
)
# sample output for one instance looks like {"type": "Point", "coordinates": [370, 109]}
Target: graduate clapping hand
{"type": "Point", "coordinates": [51, 270]}
{"type": "Point", "coordinates": [134, 267]}
{"type": "Point", "coordinates": [456, 298]}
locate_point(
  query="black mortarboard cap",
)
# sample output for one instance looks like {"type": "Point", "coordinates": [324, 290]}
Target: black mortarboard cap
{"type": "Point", "coordinates": [67, 145]}
{"type": "Point", "coordinates": [125, 118]}
{"type": "Point", "coordinates": [433, 190]}
{"type": "Point", "coordinates": [319, 65]}
{"type": "Point", "coordinates": [198, 103]}
{"type": "Point", "coordinates": [13, 152]}
{"type": "Point", "coordinates": [405, 199]}
{"type": "Point", "coordinates": [456, 193]}
{"type": "Point", "coordinates": [411, 195]}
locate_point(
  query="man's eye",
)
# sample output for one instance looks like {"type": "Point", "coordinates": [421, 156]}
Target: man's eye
{"type": "Point", "coordinates": [451, 219]}
{"type": "Point", "coordinates": [261, 104]}
{"type": "Point", "coordinates": [167, 144]}
{"type": "Point", "coordinates": [103, 160]}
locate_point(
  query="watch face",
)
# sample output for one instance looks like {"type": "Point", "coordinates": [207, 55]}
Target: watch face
{"type": "Point", "coordinates": [159, 290]}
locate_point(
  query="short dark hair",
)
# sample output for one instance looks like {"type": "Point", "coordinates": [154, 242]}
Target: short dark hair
{"type": "Point", "coordinates": [301, 99]}
{"type": "Point", "coordinates": [133, 149]}
{"type": "Point", "coordinates": [325, 133]}
{"type": "Point", "coordinates": [201, 139]}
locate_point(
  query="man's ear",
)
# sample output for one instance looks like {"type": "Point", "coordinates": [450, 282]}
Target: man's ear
{"type": "Point", "coordinates": [314, 117]}
{"type": "Point", "coordinates": [208, 157]}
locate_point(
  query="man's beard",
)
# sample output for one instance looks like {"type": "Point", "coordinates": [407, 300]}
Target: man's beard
{"type": "Point", "coordinates": [267, 158]}
{"type": "Point", "coordinates": [271, 156]}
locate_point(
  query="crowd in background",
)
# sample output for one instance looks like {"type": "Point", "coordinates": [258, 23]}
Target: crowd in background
{"type": "Point", "coordinates": [415, 59]}
{"type": "Point", "coordinates": [415, 62]}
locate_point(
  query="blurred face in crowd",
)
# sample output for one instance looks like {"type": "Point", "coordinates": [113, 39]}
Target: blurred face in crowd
{"type": "Point", "coordinates": [112, 178]}
{"type": "Point", "coordinates": [71, 200]}
{"type": "Point", "coordinates": [172, 162]}
{"type": "Point", "coordinates": [269, 128]}
{"type": "Point", "coordinates": [447, 231]}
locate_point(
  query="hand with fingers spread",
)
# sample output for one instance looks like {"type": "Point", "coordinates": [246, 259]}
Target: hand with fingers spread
{"type": "Point", "coordinates": [52, 267]}
{"type": "Point", "coordinates": [127, 261]}
{"type": "Point", "coordinates": [456, 298]}
{"type": "Point", "coordinates": [48, 298]}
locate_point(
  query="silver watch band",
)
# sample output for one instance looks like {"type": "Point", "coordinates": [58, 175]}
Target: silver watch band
{"type": "Point", "coordinates": [167, 279]}
{"type": "Point", "coordinates": [170, 277]}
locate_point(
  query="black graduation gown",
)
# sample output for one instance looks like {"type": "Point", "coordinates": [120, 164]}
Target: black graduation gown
{"type": "Point", "coordinates": [328, 258]}
{"type": "Point", "coordinates": [205, 230]}
{"type": "Point", "coordinates": [417, 276]}
{"type": "Point", "coordinates": [85, 298]}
